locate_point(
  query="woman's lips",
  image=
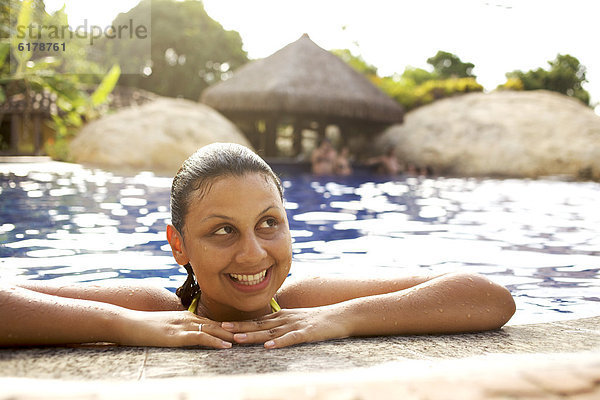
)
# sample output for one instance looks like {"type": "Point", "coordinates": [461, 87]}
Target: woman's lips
{"type": "Point", "coordinates": [249, 279]}
{"type": "Point", "coordinates": [251, 282]}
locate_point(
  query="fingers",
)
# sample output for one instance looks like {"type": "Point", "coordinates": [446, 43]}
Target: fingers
{"type": "Point", "coordinates": [289, 339]}
{"type": "Point", "coordinates": [252, 326]}
{"type": "Point", "coordinates": [261, 336]}
{"type": "Point", "coordinates": [213, 329]}
{"type": "Point", "coordinates": [273, 331]}
{"type": "Point", "coordinates": [204, 339]}
{"type": "Point", "coordinates": [205, 332]}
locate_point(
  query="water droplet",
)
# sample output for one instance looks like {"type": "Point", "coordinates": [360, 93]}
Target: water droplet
{"type": "Point", "coordinates": [441, 310]}
{"type": "Point", "coordinates": [468, 315]}
{"type": "Point", "coordinates": [487, 310]}
{"type": "Point", "coordinates": [488, 294]}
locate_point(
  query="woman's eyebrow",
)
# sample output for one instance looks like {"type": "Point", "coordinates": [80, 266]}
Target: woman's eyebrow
{"type": "Point", "coordinates": [267, 209]}
{"type": "Point", "coordinates": [216, 216]}
{"type": "Point", "coordinates": [231, 219]}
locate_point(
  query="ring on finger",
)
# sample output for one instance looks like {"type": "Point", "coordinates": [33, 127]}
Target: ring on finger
{"type": "Point", "coordinates": [200, 327]}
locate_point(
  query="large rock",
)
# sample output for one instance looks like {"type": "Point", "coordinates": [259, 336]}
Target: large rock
{"type": "Point", "coordinates": [517, 134]}
{"type": "Point", "coordinates": [157, 136]}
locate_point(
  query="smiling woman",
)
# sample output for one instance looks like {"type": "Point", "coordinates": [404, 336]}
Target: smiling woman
{"type": "Point", "coordinates": [230, 229]}
{"type": "Point", "coordinates": [231, 233]}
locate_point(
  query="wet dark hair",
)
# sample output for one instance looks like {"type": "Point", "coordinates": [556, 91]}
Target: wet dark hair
{"type": "Point", "coordinates": [209, 163]}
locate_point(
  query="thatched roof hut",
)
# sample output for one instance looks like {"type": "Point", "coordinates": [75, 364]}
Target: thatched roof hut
{"type": "Point", "coordinates": [304, 85]}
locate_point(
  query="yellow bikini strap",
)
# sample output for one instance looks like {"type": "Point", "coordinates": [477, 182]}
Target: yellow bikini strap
{"type": "Point", "coordinates": [194, 305]}
{"type": "Point", "coordinates": [274, 306]}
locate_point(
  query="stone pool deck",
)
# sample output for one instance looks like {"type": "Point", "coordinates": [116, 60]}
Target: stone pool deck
{"type": "Point", "coordinates": [552, 361]}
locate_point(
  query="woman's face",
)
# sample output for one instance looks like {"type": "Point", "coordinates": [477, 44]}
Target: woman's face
{"type": "Point", "coordinates": [237, 239]}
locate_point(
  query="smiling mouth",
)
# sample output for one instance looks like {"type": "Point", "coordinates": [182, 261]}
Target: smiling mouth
{"type": "Point", "coordinates": [249, 280]}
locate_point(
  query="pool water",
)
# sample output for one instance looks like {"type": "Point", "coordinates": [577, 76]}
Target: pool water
{"type": "Point", "coordinates": [539, 238]}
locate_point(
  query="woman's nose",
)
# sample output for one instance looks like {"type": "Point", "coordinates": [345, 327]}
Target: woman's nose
{"type": "Point", "coordinates": [250, 251]}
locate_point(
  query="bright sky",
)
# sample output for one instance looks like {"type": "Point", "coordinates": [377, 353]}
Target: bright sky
{"type": "Point", "coordinates": [497, 36]}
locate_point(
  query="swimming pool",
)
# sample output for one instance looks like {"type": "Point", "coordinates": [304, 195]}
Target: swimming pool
{"type": "Point", "coordinates": [540, 238]}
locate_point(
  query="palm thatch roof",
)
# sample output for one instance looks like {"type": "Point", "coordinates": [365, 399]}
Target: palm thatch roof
{"type": "Point", "coordinates": [303, 79]}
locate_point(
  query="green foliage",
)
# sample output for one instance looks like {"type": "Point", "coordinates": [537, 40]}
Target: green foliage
{"type": "Point", "coordinates": [412, 95]}
{"type": "Point", "coordinates": [35, 72]}
{"type": "Point", "coordinates": [415, 86]}
{"type": "Point", "coordinates": [106, 87]}
{"type": "Point", "coordinates": [511, 84]}
{"type": "Point", "coordinates": [447, 65]}
{"type": "Point", "coordinates": [189, 50]}
{"type": "Point", "coordinates": [566, 75]}
{"type": "Point", "coordinates": [356, 62]}
{"type": "Point", "coordinates": [419, 75]}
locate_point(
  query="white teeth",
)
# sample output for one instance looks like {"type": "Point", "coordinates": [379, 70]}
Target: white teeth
{"type": "Point", "coordinates": [249, 280]}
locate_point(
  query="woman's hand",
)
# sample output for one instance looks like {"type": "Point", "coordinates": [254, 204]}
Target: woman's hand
{"type": "Point", "coordinates": [171, 329]}
{"type": "Point", "coordinates": [289, 326]}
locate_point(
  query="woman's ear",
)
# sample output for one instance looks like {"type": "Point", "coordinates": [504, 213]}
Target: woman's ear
{"type": "Point", "coordinates": [176, 241]}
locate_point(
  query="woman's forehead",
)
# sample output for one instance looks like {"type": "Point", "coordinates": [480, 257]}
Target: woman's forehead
{"type": "Point", "coordinates": [236, 186]}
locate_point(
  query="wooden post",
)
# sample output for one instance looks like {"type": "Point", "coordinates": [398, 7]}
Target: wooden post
{"type": "Point", "coordinates": [262, 137]}
{"type": "Point", "coordinates": [321, 131]}
{"type": "Point", "coordinates": [271, 138]}
{"type": "Point", "coordinates": [297, 138]}
{"type": "Point", "coordinates": [15, 128]}
{"type": "Point", "coordinates": [37, 134]}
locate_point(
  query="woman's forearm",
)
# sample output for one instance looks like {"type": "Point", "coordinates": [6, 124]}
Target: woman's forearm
{"type": "Point", "coordinates": [29, 318]}
{"type": "Point", "coordinates": [139, 297]}
{"type": "Point", "coordinates": [447, 304]}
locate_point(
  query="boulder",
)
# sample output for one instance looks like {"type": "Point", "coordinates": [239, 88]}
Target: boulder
{"type": "Point", "coordinates": [503, 133]}
{"type": "Point", "coordinates": [157, 136]}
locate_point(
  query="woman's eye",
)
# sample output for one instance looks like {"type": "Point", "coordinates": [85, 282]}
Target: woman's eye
{"type": "Point", "coordinates": [268, 223]}
{"type": "Point", "coordinates": [226, 230]}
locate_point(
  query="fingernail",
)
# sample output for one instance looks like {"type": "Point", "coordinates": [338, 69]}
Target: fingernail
{"type": "Point", "coordinates": [227, 325]}
{"type": "Point", "coordinates": [270, 343]}
{"type": "Point", "coordinates": [226, 344]}
{"type": "Point", "coordinates": [240, 336]}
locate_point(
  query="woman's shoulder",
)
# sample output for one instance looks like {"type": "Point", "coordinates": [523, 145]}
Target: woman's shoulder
{"type": "Point", "coordinates": [157, 298]}
{"type": "Point", "coordinates": [325, 290]}
{"type": "Point", "coordinates": [315, 291]}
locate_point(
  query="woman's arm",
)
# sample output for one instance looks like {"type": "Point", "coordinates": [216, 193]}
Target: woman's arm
{"type": "Point", "coordinates": [140, 297]}
{"type": "Point", "coordinates": [322, 291]}
{"type": "Point", "coordinates": [448, 303]}
{"type": "Point", "coordinates": [33, 318]}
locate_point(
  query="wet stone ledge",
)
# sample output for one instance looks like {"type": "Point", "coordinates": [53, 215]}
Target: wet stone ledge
{"type": "Point", "coordinates": [107, 362]}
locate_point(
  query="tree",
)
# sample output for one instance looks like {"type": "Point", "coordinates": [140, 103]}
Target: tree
{"type": "Point", "coordinates": [356, 62]}
{"type": "Point", "coordinates": [447, 65]}
{"type": "Point", "coordinates": [566, 75]}
{"type": "Point", "coordinates": [415, 86]}
{"type": "Point", "coordinates": [189, 50]}
{"type": "Point", "coordinates": [418, 75]}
